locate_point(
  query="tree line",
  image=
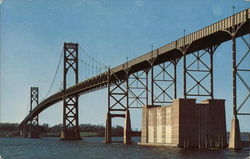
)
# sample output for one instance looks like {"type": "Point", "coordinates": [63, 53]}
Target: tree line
{"type": "Point", "coordinates": [11, 129]}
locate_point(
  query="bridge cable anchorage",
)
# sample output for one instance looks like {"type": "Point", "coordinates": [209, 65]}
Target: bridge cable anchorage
{"type": "Point", "coordinates": [57, 68]}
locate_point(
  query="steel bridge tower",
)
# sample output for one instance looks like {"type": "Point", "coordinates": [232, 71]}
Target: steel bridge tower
{"type": "Point", "coordinates": [34, 129]}
{"type": "Point", "coordinates": [70, 102]}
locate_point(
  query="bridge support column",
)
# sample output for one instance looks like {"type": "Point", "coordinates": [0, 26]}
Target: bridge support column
{"type": "Point", "coordinates": [108, 129]}
{"type": "Point", "coordinates": [117, 97]}
{"type": "Point", "coordinates": [34, 126]}
{"type": "Point", "coordinates": [240, 68]}
{"type": "Point", "coordinates": [118, 106]}
{"type": "Point", "coordinates": [234, 140]}
{"type": "Point", "coordinates": [23, 132]}
{"type": "Point", "coordinates": [70, 102]}
{"type": "Point", "coordinates": [127, 129]}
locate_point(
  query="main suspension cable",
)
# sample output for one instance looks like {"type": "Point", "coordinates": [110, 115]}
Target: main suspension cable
{"type": "Point", "coordinates": [57, 68]}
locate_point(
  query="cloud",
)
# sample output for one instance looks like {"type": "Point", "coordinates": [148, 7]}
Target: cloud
{"type": "Point", "coordinates": [139, 3]}
{"type": "Point", "coordinates": [247, 0]}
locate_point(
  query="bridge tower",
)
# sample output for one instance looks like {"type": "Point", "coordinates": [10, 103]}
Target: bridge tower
{"type": "Point", "coordinates": [70, 102]}
{"type": "Point", "coordinates": [34, 129]}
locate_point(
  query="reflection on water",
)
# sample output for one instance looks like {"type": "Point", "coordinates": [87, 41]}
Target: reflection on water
{"type": "Point", "coordinates": [94, 148]}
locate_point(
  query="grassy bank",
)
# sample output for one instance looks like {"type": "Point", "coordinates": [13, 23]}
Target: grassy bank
{"type": "Point", "coordinates": [90, 134]}
{"type": "Point", "coordinates": [86, 130]}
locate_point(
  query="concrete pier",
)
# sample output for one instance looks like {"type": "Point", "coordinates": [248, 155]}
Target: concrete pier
{"type": "Point", "coordinates": [70, 134]}
{"type": "Point", "coordinates": [127, 129]}
{"type": "Point", "coordinates": [108, 129]}
{"type": "Point", "coordinates": [185, 124]}
{"type": "Point", "coordinates": [24, 131]}
{"type": "Point", "coordinates": [127, 133]}
{"type": "Point", "coordinates": [234, 140]}
{"type": "Point", "coordinates": [34, 132]}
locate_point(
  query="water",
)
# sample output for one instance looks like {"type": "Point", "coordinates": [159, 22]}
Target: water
{"type": "Point", "coordinates": [94, 148]}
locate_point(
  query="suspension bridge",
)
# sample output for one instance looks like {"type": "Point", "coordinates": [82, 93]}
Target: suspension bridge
{"type": "Point", "coordinates": [129, 85]}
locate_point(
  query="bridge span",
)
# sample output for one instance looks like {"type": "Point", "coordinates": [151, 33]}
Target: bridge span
{"type": "Point", "coordinates": [206, 39]}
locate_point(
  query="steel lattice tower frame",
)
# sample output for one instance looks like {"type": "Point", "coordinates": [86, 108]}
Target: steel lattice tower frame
{"type": "Point", "coordinates": [34, 100]}
{"type": "Point", "coordinates": [238, 71]}
{"type": "Point", "coordinates": [205, 70]}
{"type": "Point", "coordinates": [70, 102]}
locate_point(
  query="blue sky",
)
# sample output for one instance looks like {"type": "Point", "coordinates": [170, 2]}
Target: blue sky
{"type": "Point", "coordinates": [33, 33]}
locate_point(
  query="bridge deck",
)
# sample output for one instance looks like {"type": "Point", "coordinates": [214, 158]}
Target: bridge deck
{"type": "Point", "coordinates": [206, 37]}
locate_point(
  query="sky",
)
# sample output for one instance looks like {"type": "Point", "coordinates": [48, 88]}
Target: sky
{"type": "Point", "coordinates": [33, 33]}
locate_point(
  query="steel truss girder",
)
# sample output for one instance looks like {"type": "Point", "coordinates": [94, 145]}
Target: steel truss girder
{"type": "Point", "coordinates": [131, 92]}
{"type": "Point", "coordinates": [138, 89]}
{"type": "Point", "coordinates": [163, 81]}
{"type": "Point", "coordinates": [34, 91]}
{"type": "Point", "coordinates": [70, 102]}
{"type": "Point", "coordinates": [202, 70]}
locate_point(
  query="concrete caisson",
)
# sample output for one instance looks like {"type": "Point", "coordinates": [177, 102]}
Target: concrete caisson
{"type": "Point", "coordinates": [185, 123]}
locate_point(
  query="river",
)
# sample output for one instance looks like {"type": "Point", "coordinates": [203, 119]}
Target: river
{"type": "Point", "coordinates": [94, 148]}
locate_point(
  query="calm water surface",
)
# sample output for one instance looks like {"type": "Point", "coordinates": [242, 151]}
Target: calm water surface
{"type": "Point", "coordinates": [94, 148]}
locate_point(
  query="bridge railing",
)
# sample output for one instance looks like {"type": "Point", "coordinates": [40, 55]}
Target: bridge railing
{"type": "Point", "coordinates": [226, 23]}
